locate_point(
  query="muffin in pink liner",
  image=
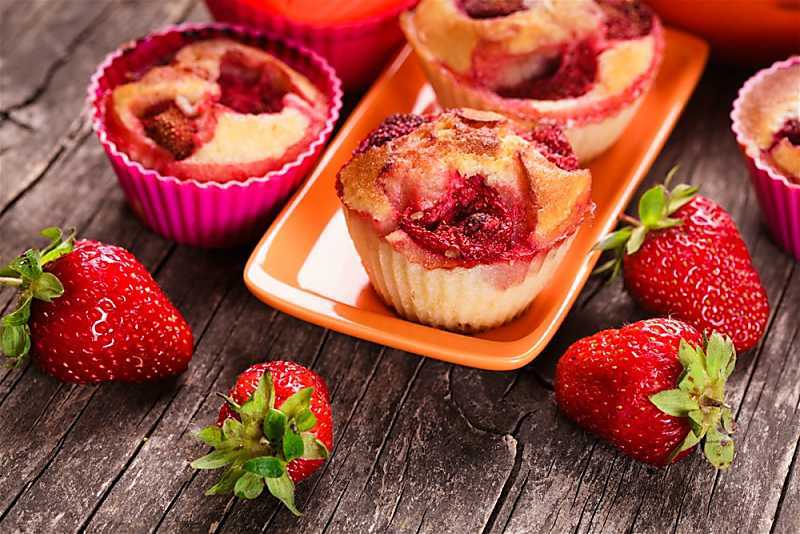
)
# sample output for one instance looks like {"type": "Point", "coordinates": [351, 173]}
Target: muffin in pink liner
{"type": "Point", "coordinates": [766, 122]}
{"type": "Point", "coordinates": [356, 49]}
{"type": "Point", "coordinates": [583, 64]}
{"type": "Point", "coordinates": [188, 203]}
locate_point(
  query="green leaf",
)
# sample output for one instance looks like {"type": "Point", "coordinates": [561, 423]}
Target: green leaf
{"type": "Point", "coordinates": [298, 402]}
{"type": "Point", "coordinates": [275, 424]}
{"type": "Point", "coordinates": [681, 195]}
{"type": "Point", "coordinates": [256, 406]}
{"type": "Point", "coordinates": [614, 240]}
{"type": "Point", "coordinates": [694, 378]}
{"type": "Point", "coordinates": [719, 449]}
{"type": "Point", "coordinates": [20, 316]}
{"type": "Point", "coordinates": [670, 175]}
{"type": "Point", "coordinates": [47, 287]}
{"type": "Point", "coordinates": [211, 435]}
{"type": "Point", "coordinates": [227, 482]}
{"type": "Point", "coordinates": [283, 489]}
{"type": "Point", "coordinates": [667, 222]}
{"type": "Point", "coordinates": [688, 442]}
{"type": "Point", "coordinates": [674, 402]}
{"type": "Point", "coordinates": [293, 446]}
{"type": "Point", "coordinates": [15, 341]}
{"type": "Point", "coordinates": [313, 448]}
{"type": "Point", "coordinates": [636, 240]}
{"type": "Point", "coordinates": [216, 459]}
{"type": "Point", "coordinates": [27, 265]}
{"type": "Point", "coordinates": [232, 429]}
{"type": "Point", "coordinates": [606, 266]}
{"type": "Point", "coordinates": [305, 420]}
{"type": "Point", "coordinates": [57, 247]}
{"type": "Point", "coordinates": [54, 234]}
{"type": "Point", "coordinates": [249, 486]}
{"type": "Point", "coordinates": [727, 420]}
{"type": "Point", "coordinates": [265, 466]}
{"type": "Point", "coordinates": [688, 355]}
{"type": "Point", "coordinates": [652, 205]}
{"type": "Point", "coordinates": [697, 422]}
{"type": "Point", "coordinates": [716, 359]}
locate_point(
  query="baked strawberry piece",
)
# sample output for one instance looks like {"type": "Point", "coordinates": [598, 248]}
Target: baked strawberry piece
{"type": "Point", "coordinates": [654, 389]}
{"type": "Point", "coordinates": [684, 258]}
{"type": "Point", "coordinates": [90, 312]}
{"type": "Point", "coordinates": [275, 429]}
{"type": "Point", "coordinates": [461, 218]}
{"type": "Point", "coordinates": [584, 64]}
{"type": "Point", "coordinates": [217, 111]}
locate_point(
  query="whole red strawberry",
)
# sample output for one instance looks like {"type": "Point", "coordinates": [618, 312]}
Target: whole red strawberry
{"type": "Point", "coordinates": [685, 258]}
{"type": "Point", "coordinates": [95, 314]}
{"type": "Point", "coordinates": [274, 429]}
{"type": "Point", "coordinates": [651, 389]}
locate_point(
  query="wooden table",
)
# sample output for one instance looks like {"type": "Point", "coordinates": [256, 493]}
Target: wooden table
{"type": "Point", "coordinates": [421, 446]}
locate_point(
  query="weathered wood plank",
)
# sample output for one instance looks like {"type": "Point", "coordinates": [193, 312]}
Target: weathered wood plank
{"type": "Point", "coordinates": [47, 72]}
{"type": "Point", "coordinates": [420, 445]}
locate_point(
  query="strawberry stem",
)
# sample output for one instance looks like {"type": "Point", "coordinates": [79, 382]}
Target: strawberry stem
{"type": "Point", "coordinates": [258, 443]}
{"type": "Point", "coordinates": [655, 207]}
{"type": "Point", "coordinates": [26, 273]}
{"type": "Point", "coordinates": [700, 398]}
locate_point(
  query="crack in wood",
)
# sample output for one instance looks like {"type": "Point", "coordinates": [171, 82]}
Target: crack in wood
{"type": "Point", "coordinates": [519, 449]}
{"type": "Point", "coordinates": [516, 500]}
{"type": "Point", "coordinates": [60, 61]}
{"type": "Point", "coordinates": [107, 491]}
{"type": "Point", "coordinates": [336, 508]}
{"type": "Point", "coordinates": [408, 445]}
{"type": "Point", "coordinates": [786, 482]}
{"type": "Point", "coordinates": [53, 454]}
{"type": "Point", "coordinates": [474, 426]}
{"type": "Point", "coordinates": [395, 417]}
{"type": "Point", "coordinates": [600, 498]}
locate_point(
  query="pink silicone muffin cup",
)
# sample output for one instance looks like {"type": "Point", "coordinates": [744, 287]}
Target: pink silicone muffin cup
{"type": "Point", "coordinates": [207, 214]}
{"type": "Point", "coordinates": [356, 50]}
{"type": "Point", "coordinates": [778, 196]}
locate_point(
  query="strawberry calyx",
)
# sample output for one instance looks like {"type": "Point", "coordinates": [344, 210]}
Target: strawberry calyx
{"type": "Point", "coordinates": [257, 447]}
{"type": "Point", "coordinates": [700, 397]}
{"type": "Point", "coordinates": [655, 207]}
{"type": "Point", "coordinates": [26, 273]}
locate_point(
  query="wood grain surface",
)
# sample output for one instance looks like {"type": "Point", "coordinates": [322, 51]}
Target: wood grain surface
{"type": "Point", "coordinates": [420, 446]}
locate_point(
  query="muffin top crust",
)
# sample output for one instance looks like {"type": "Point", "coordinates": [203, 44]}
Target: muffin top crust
{"type": "Point", "coordinates": [555, 53]}
{"type": "Point", "coordinates": [770, 120]}
{"type": "Point", "coordinates": [218, 110]}
{"type": "Point", "coordinates": [466, 187]}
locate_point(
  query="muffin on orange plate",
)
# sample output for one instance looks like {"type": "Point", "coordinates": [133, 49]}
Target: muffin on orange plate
{"type": "Point", "coordinates": [462, 217]}
{"type": "Point", "coordinates": [209, 128]}
{"type": "Point", "coordinates": [583, 64]}
{"type": "Point", "coordinates": [766, 122]}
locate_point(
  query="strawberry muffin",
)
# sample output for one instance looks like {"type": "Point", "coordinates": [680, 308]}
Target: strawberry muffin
{"type": "Point", "coordinates": [218, 111]}
{"type": "Point", "coordinates": [584, 64]}
{"type": "Point", "coordinates": [461, 218]}
{"type": "Point", "coordinates": [769, 120]}
{"type": "Point", "coordinates": [766, 122]}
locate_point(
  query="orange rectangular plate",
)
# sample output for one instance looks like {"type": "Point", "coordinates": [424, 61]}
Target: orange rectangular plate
{"type": "Point", "coordinates": [306, 265]}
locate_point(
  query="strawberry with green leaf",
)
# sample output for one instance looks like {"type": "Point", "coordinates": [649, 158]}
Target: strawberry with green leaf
{"type": "Point", "coordinates": [685, 258]}
{"type": "Point", "coordinates": [274, 429]}
{"type": "Point", "coordinates": [654, 389]}
{"type": "Point", "coordinates": [90, 312]}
